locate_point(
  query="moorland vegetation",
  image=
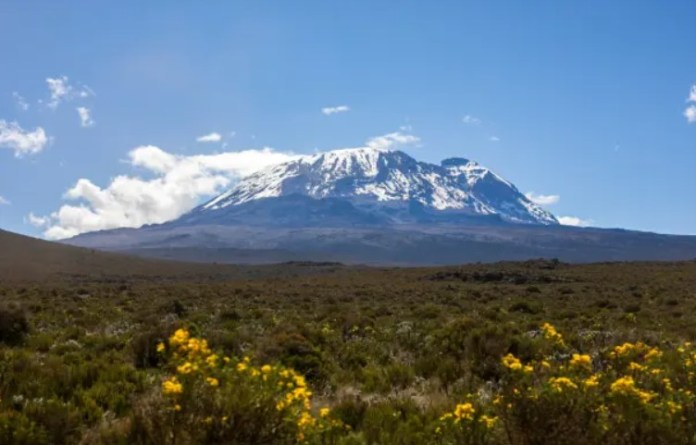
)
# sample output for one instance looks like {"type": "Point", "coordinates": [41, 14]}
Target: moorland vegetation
{"type": "Point", "coordinates": [538, 352]}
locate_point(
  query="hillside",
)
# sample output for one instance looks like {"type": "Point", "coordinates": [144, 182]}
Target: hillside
{"type": "Point", "coordinates": [23, 258]}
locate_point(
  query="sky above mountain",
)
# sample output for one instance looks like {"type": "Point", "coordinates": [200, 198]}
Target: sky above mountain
{"type": "Point", "coordinates": [143, 110]}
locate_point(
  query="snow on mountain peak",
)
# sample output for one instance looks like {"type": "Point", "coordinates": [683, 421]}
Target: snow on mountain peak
{"type": "Point", "coordinates": [378, 177]}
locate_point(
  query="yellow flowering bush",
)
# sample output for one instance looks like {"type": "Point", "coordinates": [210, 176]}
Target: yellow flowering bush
{"type": "Point", "coordinates": [631, 393]}
{"type": "Point", "coordinates": [210, 398]}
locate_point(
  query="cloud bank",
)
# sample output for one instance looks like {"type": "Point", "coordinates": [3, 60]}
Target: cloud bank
{"type": "Point", "coordinates": [172, 185]}
{"type": "Point", "coordinates": [542, 200]}
{"type": "Point", "coordinates": [22, 142]}
{"type": "Point", "coordinates": [574, 221]}
{"type": "Point", "coordinates": [391, 141]}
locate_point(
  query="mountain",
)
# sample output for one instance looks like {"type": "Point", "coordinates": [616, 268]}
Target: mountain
{"type": "Point", "coordinates": [379, 207]}
{"type": "Point", "coordinates": [372, 186]}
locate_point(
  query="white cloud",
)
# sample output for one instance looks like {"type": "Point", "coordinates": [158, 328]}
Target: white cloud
{"type": "Point", "coordinates": [391, 141]}
{"type": "Point", "coordinates": [471, 120]}
{"type": "Point", "coordinates": [210, 137]}
{"type": "Point", "coordinates": [62, 91]}
{"type": "Point", "coordinates": [494, 139]}
{"type": "Point", "coordinates": [335, 110]}
{"type": "Point", "coordinates": [85, 117]}
{"type": "Point", "coordinates": [38, 221]}
{"type": "Point", "coordinates": [22, 141]}
{"type": "Point", "coordinates": [542, 200]}
{"type": "Point", "coordinates": [177, 184]}
{"type": "Point", "coordinates": [690, 114]}
{"type": "Point", "coordinates": [4, 201]}
{"type": "Point", "coordinates": [574, 221]}
{"type": "Point", "coordinates": [59, 88]}
{"type": "Point", "coordinates": [20, 101]}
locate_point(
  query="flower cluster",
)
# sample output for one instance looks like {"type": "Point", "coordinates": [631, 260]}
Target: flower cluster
{"type": "Point", "coordinates": [467, 422]}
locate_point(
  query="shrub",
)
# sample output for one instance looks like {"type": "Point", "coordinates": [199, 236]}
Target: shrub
{"type": "Point", "coordinates": [210, 399]}
{"type": "Point", "coordinates": [13, 325]}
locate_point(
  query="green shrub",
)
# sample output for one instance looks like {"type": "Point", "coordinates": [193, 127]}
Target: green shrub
{"type": "Point", "coordinates": [14, 325]}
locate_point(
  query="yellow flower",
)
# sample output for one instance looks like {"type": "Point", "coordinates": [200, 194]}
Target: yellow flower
{"type": "Point", "coordinates": [299, 380]}
{"type": "Point", "coordinates": [464, 411]}
{"type": "Point", "coordinates": [172, 386]}
{"type": "Point", "coordinates": [550, 333]}
{"type": "Point", "coordinates": [186, 368]}
{"type": "Point", "coordinates": [627, 386]}
{"type": "Point", "coordinates": [266, 369]}
{"type": "Point", "coordinates": [488, 421]}
{"type": "Point", "coordinates": [512, 362]}
{"type": "Point", "coordinates": [668, 384]}
{"type": "Point", "coordinates": [527, 369]}
{"type": "Point", "coordinates": [591, 382]}
{"type": "Point", "coordinates": [241, 366]}
{"type": "Point", "coordinates": [633, 366]}
{"type": "Point", "coordinates": [180, 337]}
{"type": "Point", "coordinates": [628, 348]}
{"type": "Point", "coordinates": [446, 416]}
{"type": "Point", "coordinates": [211, 360]}
{"type": "Point", "coordinates": [324, 412]}
{"type": "Point", "coordinates": [673, 407]}
{"type": "Point", "coordinates": [623, 385]}
{"type": "Point", "coordinates": [305, 420]}
{"type": "Point", "coordinates": [558, 384]}
{"type": "Point", "coordinates": [177, 407]}
{"type": "Point", "coordinates": [653, 354]}
{"type": "Point", "coordinates": [545, 364]}
{"type": "Point", "coordinates": [212, 381]}
{"type": "Point", "coordinates": [581, 361]}
{"type": "Point", "coordinates": [160, 347]}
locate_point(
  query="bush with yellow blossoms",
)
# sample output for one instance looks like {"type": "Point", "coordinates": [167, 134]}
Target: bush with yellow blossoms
{"type": "Point", "coordinates": [626, 394]}
{"type": "Point", "coordinates": [210, 398]}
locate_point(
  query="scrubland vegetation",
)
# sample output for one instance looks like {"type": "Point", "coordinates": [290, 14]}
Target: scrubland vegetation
{"type": "Point", "coordinates": [506, 354]}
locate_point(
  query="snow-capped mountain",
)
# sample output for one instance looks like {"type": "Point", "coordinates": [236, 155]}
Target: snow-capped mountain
{"type": "Point", "coordinates": [371, 206]}
{"type": "Point", "coordinates": [388, 185]}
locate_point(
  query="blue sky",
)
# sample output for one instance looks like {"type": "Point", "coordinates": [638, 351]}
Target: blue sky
{"type": "Point", "coordinates": [582, 101]}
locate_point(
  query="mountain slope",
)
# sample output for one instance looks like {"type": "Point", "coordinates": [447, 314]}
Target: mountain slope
{"type": "Point", "coordinates": [390, 185]}
{"type": "Point", "coordinates": [400, 245]}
